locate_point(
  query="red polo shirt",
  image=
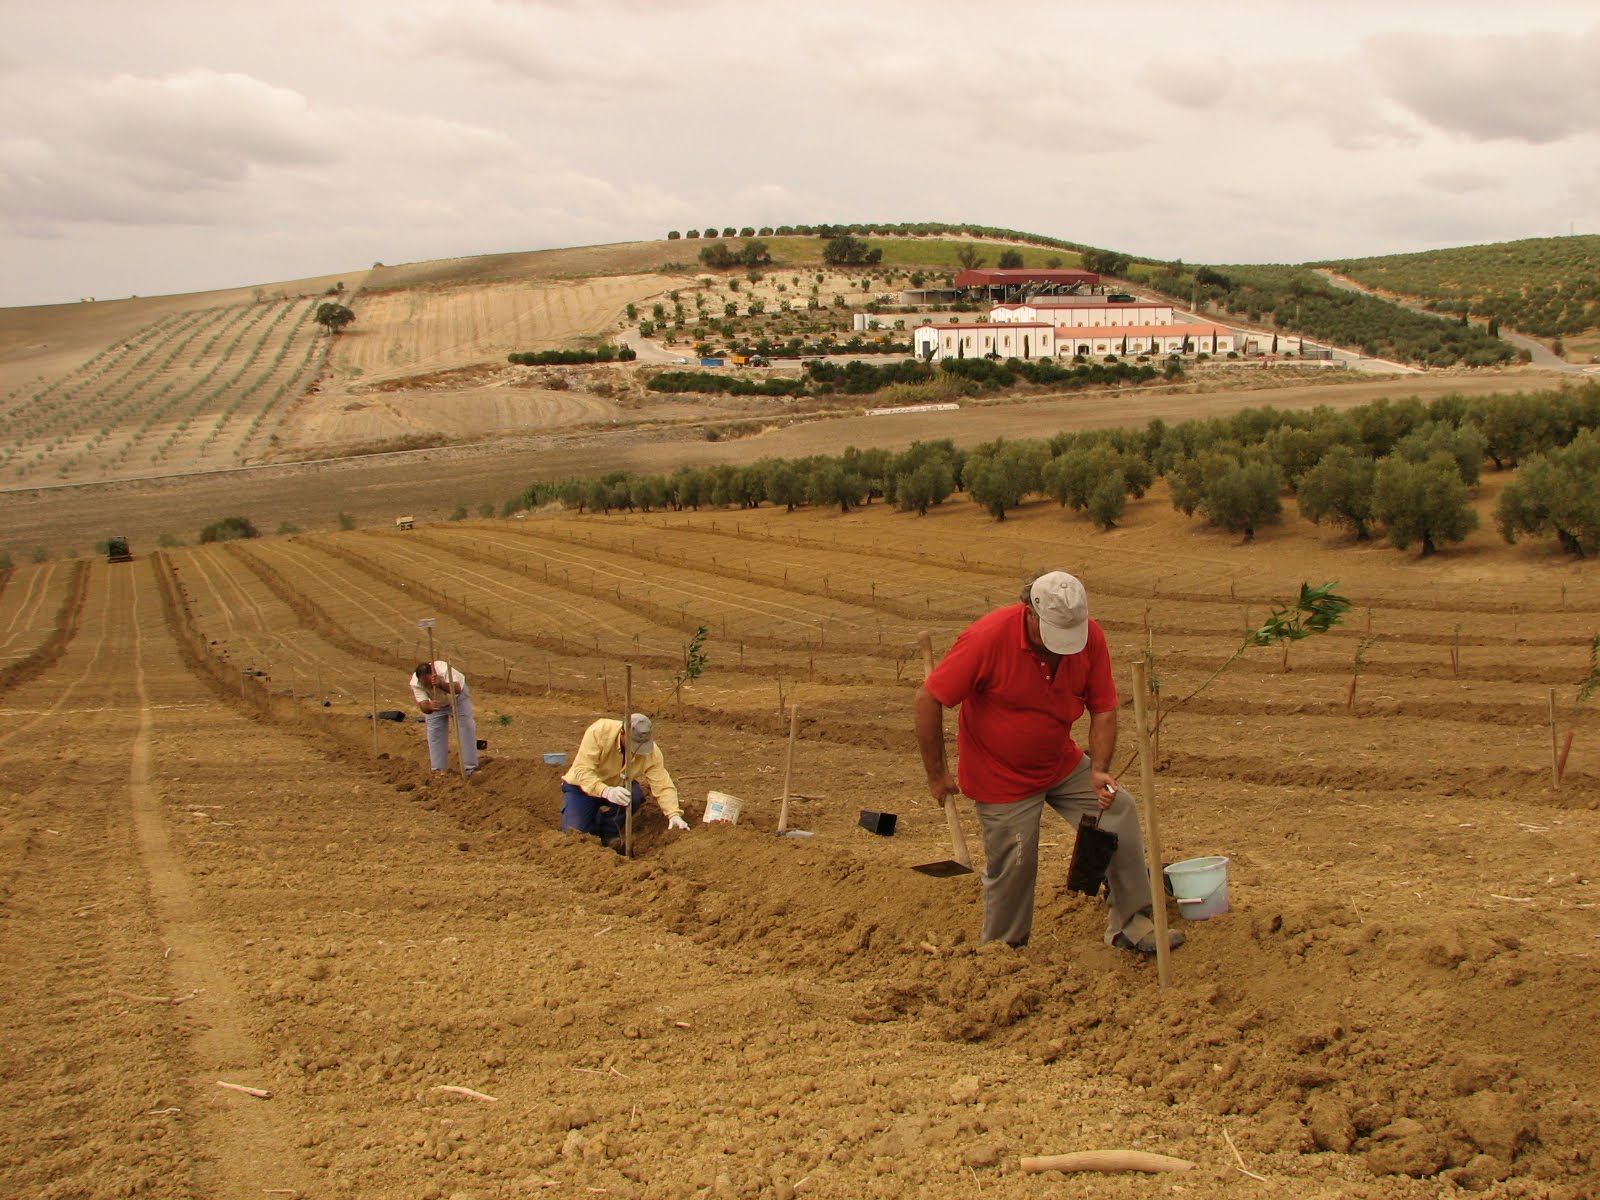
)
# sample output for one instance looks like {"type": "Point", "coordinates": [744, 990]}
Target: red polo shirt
{"type": "Point", "coordinates": [1015, 733]}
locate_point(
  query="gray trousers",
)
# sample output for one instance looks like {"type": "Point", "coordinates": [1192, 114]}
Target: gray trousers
{"type": "Point", "coordinates": [438, 725]}
{"type": "Point", "coordinates": [1011, 846]}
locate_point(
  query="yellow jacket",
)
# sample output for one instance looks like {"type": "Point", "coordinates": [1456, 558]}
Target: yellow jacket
{"type": "Point", "coordinates": [598, 765]}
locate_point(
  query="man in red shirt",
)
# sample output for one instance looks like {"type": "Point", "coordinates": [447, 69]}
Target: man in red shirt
{"type": "Point", "coordinates": [1022, 675]}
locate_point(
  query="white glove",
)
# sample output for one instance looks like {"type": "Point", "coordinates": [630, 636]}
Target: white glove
{"type": "Point", "coordinates": [677, 822]}
{"type": "Point", "coordinates": [617, 796]}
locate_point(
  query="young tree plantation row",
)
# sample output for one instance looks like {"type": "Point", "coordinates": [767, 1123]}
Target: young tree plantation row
{"type": "Point", "coordinates": [1549, 287]}
{"type": "Point", "coordinates": [194, 386]}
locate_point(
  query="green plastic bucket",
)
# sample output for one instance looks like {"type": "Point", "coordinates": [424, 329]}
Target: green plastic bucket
{"type": "Point", "coordinates": [1200, 886]}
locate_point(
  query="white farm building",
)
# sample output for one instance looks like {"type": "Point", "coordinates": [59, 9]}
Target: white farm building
{"type": "Point", "coordinates": [1067, 314]}
{"type": "Point", "coordinates": [1067, 327]}
{"type": "Point", "coordinates": [983, 339]}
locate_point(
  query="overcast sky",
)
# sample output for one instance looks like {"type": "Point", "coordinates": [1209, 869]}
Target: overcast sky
{"type": "Point", "coordinates": [169, 145]}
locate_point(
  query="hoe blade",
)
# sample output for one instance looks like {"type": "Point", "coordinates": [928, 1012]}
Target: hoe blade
{"type": "Point", "coordinates": [944, 869]}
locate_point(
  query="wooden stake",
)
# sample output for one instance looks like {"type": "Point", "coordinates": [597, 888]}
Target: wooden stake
{"type": "Point", "coordinates": [788, 768]}
{"type": "Point", "coordinates": [374, 716]}
{"type": "Point", "coordinates": [627, 740]}
{"type": "Point", "coordinates": [1107, 1160]}
{"type": "Point", "coordinates": [1555, 753]}
{"type": "Point", "coordinates": [451, 1089]}
{"type": "Point", "coordinates": [1152, 828]}
{"type": "Point", "coordinates": [258, 1093]}
{"type": "Point", "coordinates": [455, 720]}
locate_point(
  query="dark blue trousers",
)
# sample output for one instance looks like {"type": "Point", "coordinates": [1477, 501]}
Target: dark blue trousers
{"type": "Point", "coordinates": [583, 812]}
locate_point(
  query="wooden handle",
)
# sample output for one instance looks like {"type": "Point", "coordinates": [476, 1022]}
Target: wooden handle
{"type": "Point", "coordinates": [958, 840]}
{"type": "Point", "coordinates": [1107, 1160]}
{"type": "Point", "coordinates": [627, 743]}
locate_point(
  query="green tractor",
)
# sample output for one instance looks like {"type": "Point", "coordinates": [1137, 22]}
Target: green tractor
{"type": "Point", "coordinates": [117, 550]}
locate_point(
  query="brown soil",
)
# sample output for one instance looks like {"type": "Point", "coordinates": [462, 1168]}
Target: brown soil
{"type": "Point", "coordinates": [213, 875]}
{"type": "Point", "coordinates": [216, 871]}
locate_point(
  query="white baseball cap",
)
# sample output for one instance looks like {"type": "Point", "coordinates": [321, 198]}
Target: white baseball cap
{"type": "Point", "coordinates": [641, 738]}
{"type": "Point", "coordinates": [1062, 606]}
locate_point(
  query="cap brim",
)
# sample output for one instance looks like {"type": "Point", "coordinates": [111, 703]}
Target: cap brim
{"type": "Point", "coordinates": [1064, 639]}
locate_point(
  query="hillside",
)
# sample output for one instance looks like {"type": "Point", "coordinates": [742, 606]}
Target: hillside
{"type": "Point", "coordinates": [1546, 287]}
{"type": "Point", "coordinates": [219, 872]}
{"type": "Point", "coordinates": [134, 395]}
{"type": "Point", "coordinates": [216, 868]}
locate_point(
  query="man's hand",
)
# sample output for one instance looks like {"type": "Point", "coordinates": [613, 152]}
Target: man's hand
{"type": "Point", "coordinates": [1105, 788]}
{"type": "Point", "coordinates": [942, 785]}
{"type": "Point", "coordinates": [616, 795]}
{"type": "Point", "coordinates": [677, 822]}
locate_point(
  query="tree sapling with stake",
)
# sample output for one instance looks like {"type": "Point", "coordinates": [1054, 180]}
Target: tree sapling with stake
{"type": "Point", "coordinates": [1362, 647]}
{"type": "Point", "coordinates": [1317, 610]}
{"type": "Point", "coordinates": [694, 662]}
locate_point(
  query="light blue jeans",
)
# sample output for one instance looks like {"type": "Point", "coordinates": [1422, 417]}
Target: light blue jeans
{"type": "Point", "coordinates": [438, 725]}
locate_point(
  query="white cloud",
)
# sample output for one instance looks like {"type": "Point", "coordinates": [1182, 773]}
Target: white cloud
{"type": "Point", "coordinates": [1531, 87]}
{"type": "Point", "coordinates": [190, 144]}
{"type": "Point", "coordinates": [1462, 181]}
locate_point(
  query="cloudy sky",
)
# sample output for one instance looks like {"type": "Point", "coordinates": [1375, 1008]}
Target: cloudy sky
{"type": "Point", "coordinates": [179, 145]}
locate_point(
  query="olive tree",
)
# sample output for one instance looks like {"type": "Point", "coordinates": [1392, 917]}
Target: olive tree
{"type": "Point", "coordinates": [1339, 489]}
{"type": "Point", "coordinates": [932, 482]}
{"type": "Point", "coordinates": [1422, 503]}
{"type": "Point", "coordinates": [1242, 497]}
{"type": "Point", "coordinates": [333, 316]}
{"type": "Point", "coordinates": [1000, 474]}
{"type": "Point", "coordinates": [1555, 494]}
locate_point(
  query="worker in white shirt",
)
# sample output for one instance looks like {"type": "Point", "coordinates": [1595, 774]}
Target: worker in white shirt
{"type": "Point", "coordinates": [434, 685]}
{"type": "Point", "coordinates": [596, 795]}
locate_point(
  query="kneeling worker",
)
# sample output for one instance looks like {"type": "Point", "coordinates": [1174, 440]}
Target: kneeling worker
{"type": "Point", "coordinates": [594, 791]}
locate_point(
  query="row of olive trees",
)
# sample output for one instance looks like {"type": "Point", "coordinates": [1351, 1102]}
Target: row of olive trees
{"type": "Point", "coordinates": [1548, 287]}
{"type": "Point", "coordinates": [1404, 468]}
{"type": "Point", "coordinates": [898, 229]}
{"type": "Point", "coordinates": [924, 475]}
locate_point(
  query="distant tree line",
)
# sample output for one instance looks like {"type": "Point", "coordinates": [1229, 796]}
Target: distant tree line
{"type": "Point", "coordinates": [889, 229]}
{"type": "Point", "coordinates": [861, 378]}
{"type": "Point", "coordinates": [1403, 468]}
{"type": "Point", "coordinates": [720, 256]}
{"type": "Point", "coordinates": [545, 358]}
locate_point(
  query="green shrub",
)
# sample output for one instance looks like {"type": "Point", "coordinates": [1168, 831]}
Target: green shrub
{"type": "Point", "coordinates": [229, 529]}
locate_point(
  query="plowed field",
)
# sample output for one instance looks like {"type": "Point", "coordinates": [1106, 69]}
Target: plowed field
{"type": "Point", "coordinates": [216, 869]}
